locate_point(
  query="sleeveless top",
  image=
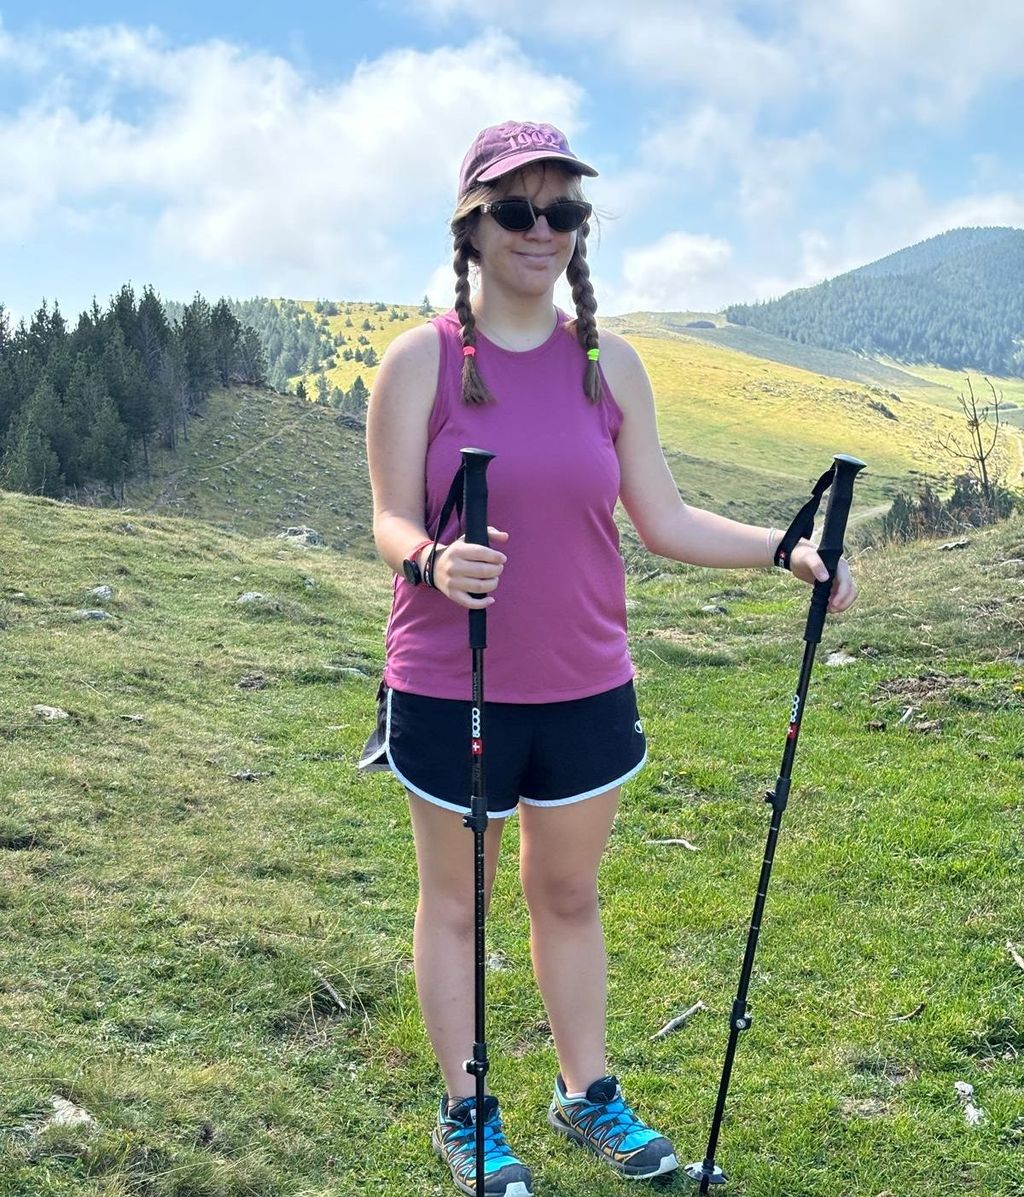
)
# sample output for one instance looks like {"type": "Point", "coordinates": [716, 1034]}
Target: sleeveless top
{"type": "Point", "coordinates": [557, 628]}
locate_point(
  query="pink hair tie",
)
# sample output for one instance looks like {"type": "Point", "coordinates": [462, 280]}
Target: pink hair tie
{"type": "Point", "coordinates": [469, 351]}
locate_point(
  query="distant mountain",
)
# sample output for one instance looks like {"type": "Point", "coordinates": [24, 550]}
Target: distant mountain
{"type": "Point", "coordinates": [955, 300]}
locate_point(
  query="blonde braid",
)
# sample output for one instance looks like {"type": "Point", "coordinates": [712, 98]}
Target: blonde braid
{"type": "Point", "coordinates": [474, 390]}
{"type": "Point", "coordinates": [578, 274]}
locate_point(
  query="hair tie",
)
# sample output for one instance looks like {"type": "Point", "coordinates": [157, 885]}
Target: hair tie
{"type": "Point", "coordinates": [593, 354]}
{"type": "Point", "coordinates": [469, 351]}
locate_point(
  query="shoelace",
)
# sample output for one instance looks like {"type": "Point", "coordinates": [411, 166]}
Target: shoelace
{"type": "Point", "coordinates": [495, 1143]}
{"type": "Point", "coordinates": [616, 1120]}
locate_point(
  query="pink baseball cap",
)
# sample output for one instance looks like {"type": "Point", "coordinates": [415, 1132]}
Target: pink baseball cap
{"type": "Point", "coordinates": [499, 149]}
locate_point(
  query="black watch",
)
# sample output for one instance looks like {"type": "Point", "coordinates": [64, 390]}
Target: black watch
{"type": "Point", "coordinates": [411, 566]}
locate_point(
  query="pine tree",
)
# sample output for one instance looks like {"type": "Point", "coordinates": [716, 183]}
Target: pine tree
{"type": "Point", "coordinates": [30, 463]}
{"type": "Point", "coordinates": [106, 448]}
{"type": "Point", "coordinates": [225, 337]}
{"type": "Point", "coordinates": [358, 393]}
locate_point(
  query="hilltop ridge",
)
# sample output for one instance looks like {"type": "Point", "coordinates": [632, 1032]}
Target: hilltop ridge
{"type": "Point", "coordinates": [956, 300]}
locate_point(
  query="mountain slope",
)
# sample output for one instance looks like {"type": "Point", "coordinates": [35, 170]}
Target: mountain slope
{"type": "Point", "coordinates": [955, 301]}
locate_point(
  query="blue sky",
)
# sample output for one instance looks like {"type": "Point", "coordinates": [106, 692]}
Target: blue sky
{"type": "Point", "coordinates": [745, 147]}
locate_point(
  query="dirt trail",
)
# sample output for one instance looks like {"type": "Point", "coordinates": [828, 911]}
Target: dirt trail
{"type": "Point", "coordinates": [869, 513]}
{"type": "Point", "coordinates": [217, 465]}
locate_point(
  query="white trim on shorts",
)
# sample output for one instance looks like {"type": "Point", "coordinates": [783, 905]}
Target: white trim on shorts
{"type": "Point", "coordinates": [433, 799]}
{"type": "Point", "coordinates": [603, 789]}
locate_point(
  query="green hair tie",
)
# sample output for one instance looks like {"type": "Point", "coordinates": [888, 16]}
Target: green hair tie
{"type": "Point", "coordinates": [593, 354]}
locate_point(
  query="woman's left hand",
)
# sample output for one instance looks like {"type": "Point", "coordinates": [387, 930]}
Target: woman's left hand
{"type": "Point", "coordinates": [809, 567]}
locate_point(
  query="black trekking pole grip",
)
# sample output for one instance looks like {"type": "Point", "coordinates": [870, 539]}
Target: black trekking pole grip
{"type": "Point", "coordinates": [833, 532]}
{"type": "Point", "coordinates": [475, 463]}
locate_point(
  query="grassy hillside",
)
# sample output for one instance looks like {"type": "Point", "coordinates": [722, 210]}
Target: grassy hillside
{"type": "Point", "coordinates": [748, 434]}
{"type": "Point", "coordinates": [742, 434]}
{"type": "Point", "coordinates": [207, 914]}
{"type": "Point", "coordinates": [829, 362]}
{"type": "Point", "coordinates": [385, 325]}
{"type": "Point", "coordinates": [259, 462]}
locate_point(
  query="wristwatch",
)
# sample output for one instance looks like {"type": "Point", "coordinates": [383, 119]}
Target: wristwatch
{"type": "Point", "coordinates": [411, 564]}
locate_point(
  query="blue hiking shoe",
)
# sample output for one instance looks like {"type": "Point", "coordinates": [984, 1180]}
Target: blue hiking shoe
{"type": "Point", "coordinates": [454, 1140]}
{"type": "Point", "coordinates": [602, 1121]}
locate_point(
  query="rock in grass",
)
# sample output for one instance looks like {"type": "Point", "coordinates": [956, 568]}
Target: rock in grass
{"type": "Point", "coordinates": [66, 1113]}
{"type": "Point", "coordinates": [252, 681]}
{"type": "Point", "coordinates": [103, 593]}
{"type": "Point", "coordinates": [41, 711]}
{"type": "Point", "coordinates": [251, 596]}
{"type": "Point", "coordinates": [94, 613]}
{"type": "Point", "coordinates": [953, 544]}
{"type": "Point", "coordinates": [840, 658]}
{"type": "Point", "coordinates": [974, 1115]}
{"type": "Point", "coordinates": [303, 535]}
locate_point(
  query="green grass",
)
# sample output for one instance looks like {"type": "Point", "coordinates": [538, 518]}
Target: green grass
{"type": "Point", "coordinates": [258, 463]}
{"type": "Point", "coordinates": [749, 340]}
{"type": "Point", "coordinates": [742, 434]}
{"type": "Point", "coordinates": [176, 937]}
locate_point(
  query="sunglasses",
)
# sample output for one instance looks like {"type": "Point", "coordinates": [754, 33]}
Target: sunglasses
{"type": "Point", "coordinates": [519, 215]}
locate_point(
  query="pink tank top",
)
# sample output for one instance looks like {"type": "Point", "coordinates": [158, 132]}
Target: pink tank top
{"type": "Point", "coordinates": [557, 628]}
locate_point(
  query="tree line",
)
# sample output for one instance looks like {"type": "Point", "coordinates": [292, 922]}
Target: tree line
{"type": "Point", "coordinates": [86, 405]}
{"type": "Point", "coordinates": [962, 308]}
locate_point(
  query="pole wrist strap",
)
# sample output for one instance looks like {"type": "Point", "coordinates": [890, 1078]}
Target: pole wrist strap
{"type": "Point", "coordinates": [803, 525]}
{"type": "Point", "coordinates": [453, 502]}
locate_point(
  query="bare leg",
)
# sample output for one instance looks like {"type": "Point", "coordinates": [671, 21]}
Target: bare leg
{"type": "Point", "coordinates": [560, 855]}
{"type": "Point", "coordinates": [443, 937]}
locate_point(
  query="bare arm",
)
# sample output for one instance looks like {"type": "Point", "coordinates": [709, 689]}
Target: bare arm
{"type": "Point", "coordinates": [396, 448]}
{"type": "Point", "coordinates": [665, 523]}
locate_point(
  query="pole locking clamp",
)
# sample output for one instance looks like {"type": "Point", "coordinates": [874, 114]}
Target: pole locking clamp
{"type": "Point", "coordinates": [741, 1018]}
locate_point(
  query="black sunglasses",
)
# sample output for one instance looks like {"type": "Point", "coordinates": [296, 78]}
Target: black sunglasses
{"type": "Point", "coordinates": [518, 215]}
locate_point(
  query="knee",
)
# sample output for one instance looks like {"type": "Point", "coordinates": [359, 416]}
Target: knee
{"type": "Point", "coordinates": [567, 898]}
{"type": "Point", "coordinates": [452, 916]}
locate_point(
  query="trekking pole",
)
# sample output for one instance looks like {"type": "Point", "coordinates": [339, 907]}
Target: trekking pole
{"type": "Point", "coordinates": [840, 478]}
{"type": "Point", "coordinates": [474, 464]}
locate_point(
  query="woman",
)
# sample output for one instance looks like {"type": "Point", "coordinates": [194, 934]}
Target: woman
{"type": "Point", "coordinates": [570, 418]}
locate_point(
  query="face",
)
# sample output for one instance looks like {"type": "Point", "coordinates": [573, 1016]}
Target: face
{"type": "Point", "coordinates": [527, 263]}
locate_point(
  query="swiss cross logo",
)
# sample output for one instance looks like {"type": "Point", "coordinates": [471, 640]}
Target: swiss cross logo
{"type": "Point", "coordinates": [477, 748]}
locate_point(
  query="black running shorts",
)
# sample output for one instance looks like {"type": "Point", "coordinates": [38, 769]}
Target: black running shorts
{"type": "Point", "coordinates": [544, 754]}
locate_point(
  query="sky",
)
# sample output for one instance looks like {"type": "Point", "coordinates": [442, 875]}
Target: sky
{"type": "Point", "coordinates": [745, 147]}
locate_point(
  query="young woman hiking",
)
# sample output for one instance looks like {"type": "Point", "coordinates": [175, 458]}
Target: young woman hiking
{"type": "Point", "coordinates": [570, 418]}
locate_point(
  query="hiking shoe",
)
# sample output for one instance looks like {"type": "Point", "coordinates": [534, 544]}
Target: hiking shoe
{"type": "Point", "coordinates": [602, 1121]}
{"type": "Point", "coordinates": [454, 1140]}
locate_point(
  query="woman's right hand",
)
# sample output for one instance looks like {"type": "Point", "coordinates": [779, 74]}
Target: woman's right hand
{"type": "Point", "coordinates": [462, 570]}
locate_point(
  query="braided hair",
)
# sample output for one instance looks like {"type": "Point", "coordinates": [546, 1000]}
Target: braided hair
{"type": "Point", "coordinates": [463, 224]}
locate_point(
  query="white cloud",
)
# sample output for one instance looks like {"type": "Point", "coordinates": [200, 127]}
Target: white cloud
{"type": "Point", "coordinates": [679, 42]}
{"type": "Point", "coordinates": [935, 56]}
{"type": "Point", "coordinates": [680, 271]}
{"type": "Point", "coordinates": [871, 61]}
{"type": "Point", "coordinates": [440, 286]}
{"type": "Point", "coordinates": [244, 159]}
